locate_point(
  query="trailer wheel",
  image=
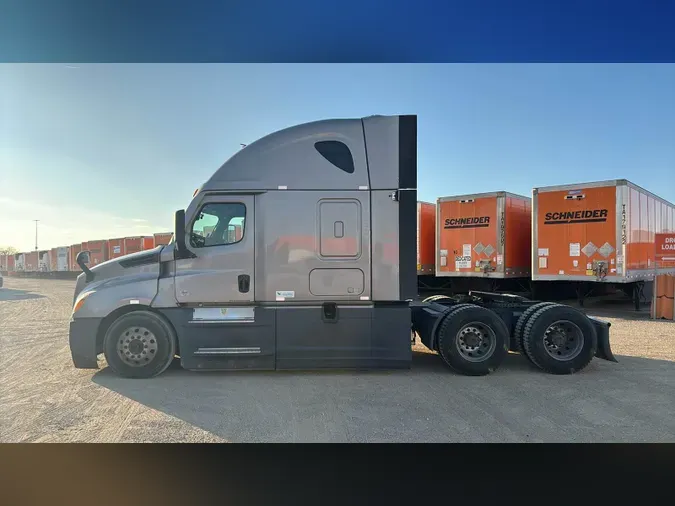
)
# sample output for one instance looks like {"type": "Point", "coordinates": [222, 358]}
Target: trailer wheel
{"type": "Point", "coordinates": [473, 340]}
{"type": "Point", "coordinates": [139, 344]}
{"type": "Point", "coordinates": [559, 339]}
{"type": "Point", "coordinates": [434, 298]}
{"type": "Point", "coordinates": [522, 321]}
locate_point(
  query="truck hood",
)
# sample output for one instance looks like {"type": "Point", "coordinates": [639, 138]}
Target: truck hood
{"type": "Point", "coordinates": [121, 270]}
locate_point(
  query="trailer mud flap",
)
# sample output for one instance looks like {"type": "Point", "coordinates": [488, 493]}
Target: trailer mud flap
{"type": "Point", "coordinates": [604, 350]}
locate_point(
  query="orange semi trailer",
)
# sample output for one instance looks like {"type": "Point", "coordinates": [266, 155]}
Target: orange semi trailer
{"type": "Point", "coordinates": [98, 251]}
{"type": "Point", "coordinates": [72, 255]}
{"type": "Point", "coordinates": [426, 238]}
{"type": "Point", "coordinates": [485, 236]}
{"type": "Point", "coordinates": [599, 232]}
{"type": "Point", "coordinates": [162, 238]}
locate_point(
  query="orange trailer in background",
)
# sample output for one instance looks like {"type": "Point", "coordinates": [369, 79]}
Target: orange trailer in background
{"type": "Point", "coordinates": [599, 232]}
{"type": "Point", "coordinates": [44, 263]}
{"type": "Point", "coordinates": [30, 262]}
{"type": "Point", "coordinates": [148, 242]}
{"type": "Point", "coordinates": [485, 235]}
{"type": "Point", "coordinates": [426, 238]}
{"type": "Point", "coordinates": [115, 248]}
{"type": "Point", "coordinates": [162, 239]}
{"type": "Point", "coordinates": [133, 244]}
{"type": "Point", "coordinates": [53, 259]}
{"type": "Point", "coordinates": [98, 252]}
{"type": "Point", "coordinates": [59, 259]}
{"type": "Point", "coordinates": [72, 255]}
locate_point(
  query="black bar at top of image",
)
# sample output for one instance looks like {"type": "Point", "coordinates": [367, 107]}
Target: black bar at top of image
{"type": "Point", "coordinates": [71, 31]}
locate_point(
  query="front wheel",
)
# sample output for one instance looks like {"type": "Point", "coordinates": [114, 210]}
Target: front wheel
{"type": "Point", "coordinates": [473, 340]}
{"type": "Point", "coordinates": [139, 344]}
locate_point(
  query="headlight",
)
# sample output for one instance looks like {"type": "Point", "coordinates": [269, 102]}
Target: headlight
{"type": "Point", "coordinates": [79, 302]}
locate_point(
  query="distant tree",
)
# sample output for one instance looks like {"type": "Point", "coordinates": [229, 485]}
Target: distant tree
{"type": "Point", "coordinates": [8, 250]}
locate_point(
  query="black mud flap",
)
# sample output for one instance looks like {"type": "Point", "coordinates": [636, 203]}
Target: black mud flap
{"type": "Point", "coordinates": [604, 350]}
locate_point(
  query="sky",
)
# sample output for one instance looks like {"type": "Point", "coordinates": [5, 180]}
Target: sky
{"type": "Point", "coordinates": [100, 151]}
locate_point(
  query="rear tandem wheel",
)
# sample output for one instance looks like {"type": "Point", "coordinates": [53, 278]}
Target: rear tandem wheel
{"type": "Point", "coordinates": [473, 340]}
{"type": "Point", "coordinates": [560, 339]}
{"type": "Point", "coordinates": [522, 321]}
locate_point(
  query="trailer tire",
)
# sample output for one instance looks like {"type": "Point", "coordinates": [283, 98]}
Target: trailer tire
{"type": "Point", "coordinates": [560, 339]}
{"type": "Point", "coordinates": [522, 321]}
{"type": "Point", "coordinates": [145, 340]}
{"type": "Point", "coordinates": [473, 340]}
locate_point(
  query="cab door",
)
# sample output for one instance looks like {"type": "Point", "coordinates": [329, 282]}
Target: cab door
{"type": "Point", "coordinates": [221, 238]}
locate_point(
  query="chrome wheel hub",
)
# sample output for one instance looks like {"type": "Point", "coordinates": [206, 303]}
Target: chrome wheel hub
{"type": "Point", "coordinates": [137, 346]}
{"type": "Point", "coordinates": [563, 340]}
{"type": "Point", "coordinates": [476, 342]}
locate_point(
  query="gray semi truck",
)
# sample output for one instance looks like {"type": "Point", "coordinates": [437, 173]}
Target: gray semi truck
{"type": "Point", "coordinates": [300, 253]}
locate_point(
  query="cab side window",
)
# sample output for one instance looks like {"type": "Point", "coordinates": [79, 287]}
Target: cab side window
{"type": "Point", "coordinates": [218, 224]}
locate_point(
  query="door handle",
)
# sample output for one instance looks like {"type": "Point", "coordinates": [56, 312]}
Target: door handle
{"type": "Point", "coordinates": [244, 281]}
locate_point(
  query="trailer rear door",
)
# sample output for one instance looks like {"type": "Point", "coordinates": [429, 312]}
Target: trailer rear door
{"type": "Point", "coordinates": [467, 234]}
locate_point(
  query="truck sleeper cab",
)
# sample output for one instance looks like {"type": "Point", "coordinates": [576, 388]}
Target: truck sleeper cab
{"type": "Point", "coordinates": [298, 253]}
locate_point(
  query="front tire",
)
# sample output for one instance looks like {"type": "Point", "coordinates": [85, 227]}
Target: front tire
{"type": "Point", "coordinates": [473, 340]}
{"type": "Point", "coordinates": [139, 344]}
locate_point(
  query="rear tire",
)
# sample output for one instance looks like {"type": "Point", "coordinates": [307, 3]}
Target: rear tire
{"type": "Point", "coordinates": [473, 340]}
{"type": "Point", "coordinates": [522, 321]}
{"type": "Point", "coordinates": [452, 310]}
{"type": "Point", "coordinates": [560, 339]}
{"type": "Point", "coordinates": [139, 344]}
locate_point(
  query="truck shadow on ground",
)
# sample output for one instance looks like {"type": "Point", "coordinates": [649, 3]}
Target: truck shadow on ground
{"type": "Point", "coordinates": [15, 294]}
{"type": "Point", "coordinates": [426, 403]}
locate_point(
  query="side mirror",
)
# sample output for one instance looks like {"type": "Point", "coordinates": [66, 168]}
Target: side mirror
{"type": "Point", "coordinates": [181, 250]}
{"type": "Point", "coordinates": [82, 259]}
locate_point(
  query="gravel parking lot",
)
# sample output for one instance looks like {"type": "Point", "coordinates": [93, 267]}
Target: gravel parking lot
{"type": "Point", "coordinates": [43, 398]}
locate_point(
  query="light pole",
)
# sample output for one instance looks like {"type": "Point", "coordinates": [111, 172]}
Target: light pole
{"type": "Point", "coordinates": [36, 222]}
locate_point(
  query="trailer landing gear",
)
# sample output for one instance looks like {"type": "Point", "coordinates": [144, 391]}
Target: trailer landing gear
{"type": "Point", "coordinates": [583, 289]}
{"type": "Point", "coordinates": [638, 293]}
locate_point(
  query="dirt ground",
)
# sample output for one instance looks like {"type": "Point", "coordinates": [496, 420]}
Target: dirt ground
{"type": "Point", "coordinates": [43, 398]}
